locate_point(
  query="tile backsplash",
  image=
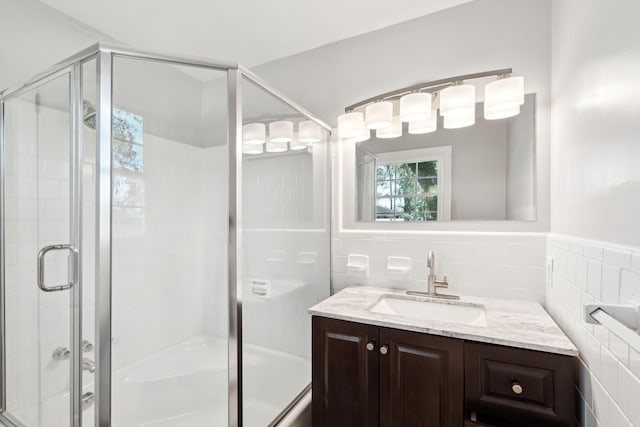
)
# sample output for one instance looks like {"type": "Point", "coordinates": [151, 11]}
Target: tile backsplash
{"type": "Point", "coordinates": [505, 265]}
{"type": "Point", "coordinates": [587, 272]}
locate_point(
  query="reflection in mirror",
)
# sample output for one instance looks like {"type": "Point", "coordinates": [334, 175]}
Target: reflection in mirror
{"type": "Point", "coordinates": [482, 172]}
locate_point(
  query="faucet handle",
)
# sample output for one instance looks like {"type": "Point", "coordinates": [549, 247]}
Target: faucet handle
{"type": "Point", "coordinates": [443, 284]}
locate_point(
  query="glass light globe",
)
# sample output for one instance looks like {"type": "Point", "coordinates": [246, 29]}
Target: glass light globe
{"type": "Point", "coordinates": [281, 131]}
{"type": "Point", "coordinates": [297, 144]}
{"type": "Point", "coordinates": [458, 100]}
{"type": "Point", "coordinates": [425, 126]}
{"type": "Point", "coordinates": [393, 131]}
{"type": "Point", "coordinates": [379, 115]}
{"type": "Point", "coordinates": [252, 148]}
{"type": "Point", "coordinates": [503, 98]}
{"type": "Point", "coordinates": [350, 125]}
{"type": "Point", "coordinates": [276, 146]}
{"type": "Point", "coordinates": [415, 106]}
{"type": "Point", "coordinates": [459, 120]}
{"type": "Point", "coordinates": [309, 132]}
{"type": "Point", "coordinates": [254, 133]}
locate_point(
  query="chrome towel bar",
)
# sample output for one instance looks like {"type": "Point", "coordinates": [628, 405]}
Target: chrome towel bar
{"type": "Point", "coordinates": [623, 320]}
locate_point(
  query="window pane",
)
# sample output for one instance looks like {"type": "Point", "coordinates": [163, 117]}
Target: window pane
{"type": "Point", "coordinates": [384, 188]}
{"type": "Point", "coordinates": [384, 209]}
{"type": "Point", "coordinates": [428, 185]}
{"type": "Point", "coordinates": [427, 208]}
{"type": "Point", "coordinates": [128, 190]}
{"type": "Point", "coordinates": [384, 172]}
{"type": "Point", "coordinates": [428, 169]}
{"type": "Point", "coordinates": [405, 186]}
{"type": "Point", "coordinates": [128, 156]}
{"type": "Point", "coordinates": [405, 170]}
{"type": "Point", "coordinates": [127, 126]}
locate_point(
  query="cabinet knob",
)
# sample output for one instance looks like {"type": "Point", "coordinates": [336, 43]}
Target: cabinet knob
{"type": "Point", "coordinates": [516, 387]}
{"type": "Point", "coordinates": [370, 346]}
{"type": "Point", "coordinates": [384, 349]}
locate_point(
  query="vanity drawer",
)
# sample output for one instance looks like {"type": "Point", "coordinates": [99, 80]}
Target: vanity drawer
{"type": "Point", "coordinates": [525, 387]}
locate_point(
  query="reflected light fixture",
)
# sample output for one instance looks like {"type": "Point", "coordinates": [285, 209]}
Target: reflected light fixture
{"type": "Point", "coordinates": [350, 125]}
{"type": "Point", "coordinates": [379, 115]}
{"type": "Point", "coordinates": [458, 121]}
{"type": "Point", "coordinates": [393, 131]}
{"type": "Point", "coordinates": [276, 146]}
{"type": "Point", "coordinates": [424, 126]}
{"type": "Point", "coordinates": [281, 131]}
{"type": "Point", "coordinates": [254, 133]}
{"type": "Point", "coordinates": [297, 143]}
{"type": "Point", "coordinates": [415, 106]}
{"type": "Point", "coordinates": [503, 99]}
{"type": "Point", "coordinates": [252, 148]}
{"type": "Point", "coordinates": [309, 132]}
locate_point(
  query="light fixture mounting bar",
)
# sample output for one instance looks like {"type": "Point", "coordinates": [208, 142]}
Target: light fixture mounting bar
{"type": "Point", "coordinates": [432, 86]}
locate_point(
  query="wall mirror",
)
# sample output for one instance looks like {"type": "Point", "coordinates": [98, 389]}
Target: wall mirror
{"type": "Point", "coordinates": [481, 172]}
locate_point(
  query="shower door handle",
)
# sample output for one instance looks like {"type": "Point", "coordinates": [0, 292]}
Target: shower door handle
{"type": "Point", "coordinates": [41, 256]}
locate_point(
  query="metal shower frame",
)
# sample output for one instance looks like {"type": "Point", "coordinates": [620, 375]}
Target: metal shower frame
{"type": "Point", "coordinates": [104, 54]}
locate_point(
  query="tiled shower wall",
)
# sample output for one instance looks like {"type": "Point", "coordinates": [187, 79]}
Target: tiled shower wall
{"type": "Point", "coordinates": [286, 242]}
{"type": "Point", "coordinates": [588, 272]}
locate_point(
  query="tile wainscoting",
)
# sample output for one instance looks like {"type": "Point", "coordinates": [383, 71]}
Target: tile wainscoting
{"type": "Point", "coordinates": [587, 272]}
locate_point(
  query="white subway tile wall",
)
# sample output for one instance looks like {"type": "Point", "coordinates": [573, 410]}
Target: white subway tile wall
{"type": "Point", "coordinates": [286, 244]}
{"type": "Point", "coordinates": [502, 265]}
{"type": "Point", "coordinates": [587, 272]}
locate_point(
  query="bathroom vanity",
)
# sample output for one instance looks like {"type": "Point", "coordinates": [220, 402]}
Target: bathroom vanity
{"type": "Point", "coordinates": [383, 358]}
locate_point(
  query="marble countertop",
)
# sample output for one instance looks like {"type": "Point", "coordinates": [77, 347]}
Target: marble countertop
{"type": "Point", "coordinates": [511, 323]}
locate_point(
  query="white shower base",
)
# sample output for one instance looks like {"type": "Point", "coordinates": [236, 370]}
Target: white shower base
{"type": "Point", "coordinates": [186, 385]}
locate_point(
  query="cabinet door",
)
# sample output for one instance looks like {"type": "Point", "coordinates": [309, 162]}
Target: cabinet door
{"type": "Point", "coordinates": [345, 374]}
{"type": "Point", "coordinates": [421, 380]}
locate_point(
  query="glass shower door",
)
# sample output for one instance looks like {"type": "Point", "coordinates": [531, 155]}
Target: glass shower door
{"type": "Point", "coordinates": [38, 255]}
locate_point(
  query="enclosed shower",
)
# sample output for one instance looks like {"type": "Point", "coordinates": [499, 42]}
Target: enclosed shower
{"type": "Point", "coordinates": [156, 267]}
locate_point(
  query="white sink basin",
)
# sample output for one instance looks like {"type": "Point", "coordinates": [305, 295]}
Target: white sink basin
{"type": "Point", "coordinates": [465, 314]}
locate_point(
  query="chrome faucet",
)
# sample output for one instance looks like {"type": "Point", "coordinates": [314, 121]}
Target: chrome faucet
{"type": "Point", "coordinates": [432, 281]}
{"type": "Point", "coordinates": [88, 365]}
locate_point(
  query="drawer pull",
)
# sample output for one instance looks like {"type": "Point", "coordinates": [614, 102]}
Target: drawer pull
{"type": "Point", "coordinates": [384, 349]}
{"type": "Point", "coordinates": [516, 387]}
{"type": "Point", "coordinates": [370, 346]}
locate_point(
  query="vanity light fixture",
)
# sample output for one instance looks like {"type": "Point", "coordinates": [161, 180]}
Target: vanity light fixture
{"type": "Point", "coordinates": [252, 148]}
{"type": "Point", "coordinates": [276, 146]}
{"type": "Point", "coordinates": [458, 100]}
{"type": "Point", "coordinates": [415, 106]}
{"type": "Point", "coordinates": [298, 144]}
{"type": "Point", "coordinates": [254, 133]}
{"type": "Point", "coordinates": [461, 120]}
{"type": "Point", "coordinates": [424, 126]}
{"type": "Point", "coordinates": [281, 131]}
{"type": "Point", "coordinates": [351, 125]}
{"type": "Point", "coordinates": [393, 131]}
{"type": "Point", "coordinates": [281, 136]}
{"type": "Point", "coordinates": [503, 99]}
{"type": "Point", "coordinates": [379, 115]}
{"type": "Point", "coordinates": [309, 132]}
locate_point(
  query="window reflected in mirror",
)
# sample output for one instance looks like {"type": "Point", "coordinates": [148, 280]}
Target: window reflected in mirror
{"type": "Point", "coordinates": [481, 172]}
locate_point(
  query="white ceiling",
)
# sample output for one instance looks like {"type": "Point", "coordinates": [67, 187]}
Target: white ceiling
{"type": "Point", "coordinates": [251, 32]}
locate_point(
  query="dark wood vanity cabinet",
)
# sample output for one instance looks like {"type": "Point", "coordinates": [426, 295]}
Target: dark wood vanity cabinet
{"type": "Point", "coordinates": [369, 376]}
{"type": "Point", "coordinates": [373, 376]}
